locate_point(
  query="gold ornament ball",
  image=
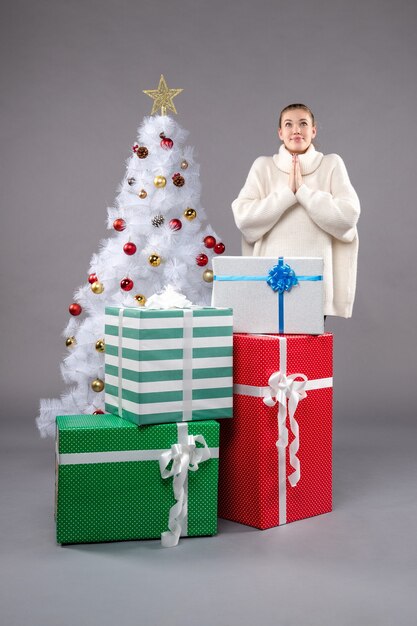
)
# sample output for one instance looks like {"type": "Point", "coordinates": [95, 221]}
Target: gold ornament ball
{"type": "Point", "coordinates": [140, 299]}
{"type": "Point", "coordinates": [97, 287]}
{"type": "Point", "coordinates": [142, 194]}
{"type": "Point", "coordinates": [208, 276]}
{"type": "Point", "coordinates": [190, 214]}
{"type": "Point", "coordinates": [154, 260]}
{"type": "Point", "coordinates": [100, 345]}
{"type": "Point", "coordinates": [184, 164]}
{"type": "Point", "coordinates": [70, 341]}
{"type": "Point", "coordinates": [97, 385]}
{"type": "Point", "coordinates": [159, 181]}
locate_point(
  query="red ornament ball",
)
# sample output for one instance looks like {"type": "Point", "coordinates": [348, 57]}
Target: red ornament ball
{"type": "Point", "coordinates": [219, 248]}
{"type": "Point", "coordinates": [209, 241]}
{"type": "Point", "coordinates": [75, 309]}
{"type": "Point", "coordinates": [201, 259]}
{"type": "Point", "coordinates": [129, 248]}
{"type": "Point", "coordinates": [92, 278]}
{"type": "Point", "coordinates": [166, 143]}
{"type": "Point", "coordinates": [119, 224]}
{"type": "Point", "coordinates": [175, 224]}
{"type": "Point", "coordinates": [126, 284]}
{"type": "Point", "coordinates": [98, 412]}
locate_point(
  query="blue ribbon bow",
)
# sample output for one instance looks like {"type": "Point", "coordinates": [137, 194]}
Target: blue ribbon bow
{"type": "Point", "coordinates": [281, 277]}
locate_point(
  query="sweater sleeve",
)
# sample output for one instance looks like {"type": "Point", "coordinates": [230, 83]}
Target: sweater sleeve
{"type": "Point", "coordinates": [254, 211]}
{"type": "Point", "coordinates": [336, 212]}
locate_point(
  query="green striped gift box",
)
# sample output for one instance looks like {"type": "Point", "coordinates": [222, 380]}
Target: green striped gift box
{"type": "Point", "coordinates": [169, 365]}
{"type": "Point", "coordinates": [109, 485]}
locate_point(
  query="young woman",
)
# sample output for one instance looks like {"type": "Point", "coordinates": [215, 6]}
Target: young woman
{"type": "Point", "coordinates": [300, 202]}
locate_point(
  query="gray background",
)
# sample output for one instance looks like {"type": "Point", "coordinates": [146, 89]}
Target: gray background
{"type": "Point", "coordinates": [72, 74]}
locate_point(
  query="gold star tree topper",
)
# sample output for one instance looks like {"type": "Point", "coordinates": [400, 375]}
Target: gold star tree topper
{"type": "Point", "coordinates": [162, 97]}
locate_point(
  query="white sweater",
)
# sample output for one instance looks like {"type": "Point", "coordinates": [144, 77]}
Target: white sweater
{"type": "Point", "coordinates": [318, 220]}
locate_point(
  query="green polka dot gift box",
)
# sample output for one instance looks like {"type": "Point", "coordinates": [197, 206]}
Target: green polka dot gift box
{"type": "Point", "coordinates": [169, 365]}
{"type": "Point", "coordinates": [115, 481]}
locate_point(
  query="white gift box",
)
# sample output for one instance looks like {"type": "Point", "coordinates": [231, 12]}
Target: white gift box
{"type": "Point", "coordinates": [271, 295]}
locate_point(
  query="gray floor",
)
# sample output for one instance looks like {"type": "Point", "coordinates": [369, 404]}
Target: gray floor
{"type": "Point", "coordinates": [356, 565]}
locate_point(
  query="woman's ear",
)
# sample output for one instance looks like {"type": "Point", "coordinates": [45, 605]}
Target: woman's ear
{"type": "Point", "coordinates": [314, 131]}
{"type": "Point", "coordinates": [280, 133]}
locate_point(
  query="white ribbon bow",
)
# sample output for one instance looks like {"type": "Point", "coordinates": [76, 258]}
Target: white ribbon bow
{"type": "Point", "coordinates": [281, 388]}
{"type": "Point", "coordinates": [185, 457]}
{"type": "Point", "coordinates": [168, 298]}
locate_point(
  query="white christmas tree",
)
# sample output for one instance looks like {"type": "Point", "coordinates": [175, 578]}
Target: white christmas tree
{"type": "Point", "coordinates": [159, 237]}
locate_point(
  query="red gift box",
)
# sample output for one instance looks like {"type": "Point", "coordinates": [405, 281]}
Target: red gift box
{"type": "Point", "coordinates": [276, 453]}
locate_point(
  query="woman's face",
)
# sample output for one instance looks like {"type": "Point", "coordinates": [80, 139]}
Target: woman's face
{"type": "Point", "coordinates": [297, 130]}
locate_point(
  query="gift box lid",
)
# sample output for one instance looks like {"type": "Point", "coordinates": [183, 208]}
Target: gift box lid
{"type": "Point", "coordinates": [250, 264]}
{"type": "Point", "coordinates": [259, 356]}
{"type": "Point", "coordinates": [105, 433]}
{"type": "Point", "coordinates": [206, 311]}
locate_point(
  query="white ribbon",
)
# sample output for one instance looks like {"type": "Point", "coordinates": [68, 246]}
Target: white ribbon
{"type": "Point", "coordinates": [183, 456]}
{"type": "Point", "coordinates": [282, 388]}
{"type": "Point", "coordinates": [187, 366]}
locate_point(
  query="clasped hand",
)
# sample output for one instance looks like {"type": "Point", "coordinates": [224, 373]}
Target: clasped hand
{"type": "Point", "coordinates": [295, 180]}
